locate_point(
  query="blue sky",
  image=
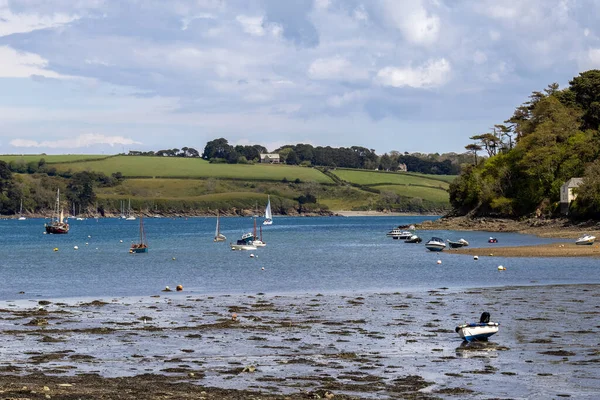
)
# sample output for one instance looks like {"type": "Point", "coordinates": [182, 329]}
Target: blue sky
{"type": "Point", "coordinates": [106, 76]}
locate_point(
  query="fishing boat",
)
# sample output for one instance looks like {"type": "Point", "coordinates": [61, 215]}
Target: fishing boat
{"type": "Point", "coordinates": [219, 237]}
{"type": "Point", "coordinates": [586, 239]}
{"type": "Point", "coordinates": [58, 225]}
{"type": "Point", "coordinates": [21, 217]}
{"type": "Point", "coordinates": [268, 214]}
{"type": "Point", "coordinates": [245, 243]}
{"type": "Point", "coordinates": [257, 241]}
{"type": "Point", "coordinates": [481, 330]}
{"type": "Point", "coordinates": [413, 239]}
{"type": "Point", "coordinates": [492, 240]}
{"type": "Point", "coordinates": [457, 244]}
{"type": "Point", "coordinates": [435, 244]}
{"type": "Point", "coordinates": [142, 245]}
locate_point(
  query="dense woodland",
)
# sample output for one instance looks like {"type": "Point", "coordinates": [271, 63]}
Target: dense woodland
{"type": "Point", "coordinates": [552, 137]}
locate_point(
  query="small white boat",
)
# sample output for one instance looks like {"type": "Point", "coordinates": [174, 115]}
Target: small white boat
{"type": "Point", "coordinates": [413, 239]}
{"type": "Point", "coordinates": [481, 330]}
{"type": "Point", "coordinates": [219, 237]}
{"type": "Point", "coordinates": [21, 217]}
{"type": "Point", "coordinates": [397, 233]}
{"type": "Point", "coordinates": [245, 243]}
{"type": "Point", "coordinates": [457, 244]}
{"type": "Point", "coordinates": [435, 244]}
{"type": "Point", "coordinates": [586, 239]}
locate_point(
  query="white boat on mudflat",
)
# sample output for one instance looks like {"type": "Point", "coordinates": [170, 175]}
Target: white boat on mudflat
{"type": "Point", "coordinates": [481, 330]}
{"type": "Point", "coordinates": [586, 239]}
{"type": "Point", "coordinates": [435, 244]}
{"type": "Point", "coordinates": [457, 244]}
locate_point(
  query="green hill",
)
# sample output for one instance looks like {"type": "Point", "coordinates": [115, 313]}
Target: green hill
{"type": "Point", "coordinates": [195, 186]}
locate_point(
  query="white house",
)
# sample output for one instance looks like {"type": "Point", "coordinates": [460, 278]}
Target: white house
{"type": "Point", "coordinates": [567, 195]}
{"type": "Point", "coordinates": [270, 158]}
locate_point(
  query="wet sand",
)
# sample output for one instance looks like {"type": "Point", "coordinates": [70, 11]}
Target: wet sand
{"type": "Point", "coordinates": [344, 346]}
{"type": "Point", "coordinates": [542, 250]}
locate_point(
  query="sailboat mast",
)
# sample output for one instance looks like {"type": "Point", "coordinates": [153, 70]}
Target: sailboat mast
{"type": "Point", "coordinates": [254, 233]}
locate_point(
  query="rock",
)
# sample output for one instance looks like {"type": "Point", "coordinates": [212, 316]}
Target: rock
{"type": "Point", "coordinates": [46, 389]}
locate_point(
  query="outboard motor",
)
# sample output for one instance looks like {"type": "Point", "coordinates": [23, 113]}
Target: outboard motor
{"type": "Point", "coordinates": [485, 317]}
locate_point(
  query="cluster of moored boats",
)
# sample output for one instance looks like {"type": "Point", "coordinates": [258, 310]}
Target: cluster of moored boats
{"type": "Point", "coordinates": [407, 234]}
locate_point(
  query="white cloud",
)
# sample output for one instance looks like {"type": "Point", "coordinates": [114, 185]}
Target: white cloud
{"type": "Point", "coordinates": [433, 73]}
{"type": "Point", "coordinates": [412, 19]}
{"type": "Point", "coordinates": [11, 23]}
{"type": "Point", "coordinates": [591, 59]}
{"type": "Point", "coordinates": [335, 68]}
{"type": "Point", "coordinates": [252, 25]}
{"type": "Point", "coordinates": [85, 140]}
{"type": "Point", "coordinates": [322, 4]}
{"type": "Point", "coordinates": [185, 22]}
{"type": "Point", "coordinates": [16, 64]}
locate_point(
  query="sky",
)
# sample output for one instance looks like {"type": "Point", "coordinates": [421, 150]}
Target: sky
{"type": "Point", "coordinates": [109, 76]}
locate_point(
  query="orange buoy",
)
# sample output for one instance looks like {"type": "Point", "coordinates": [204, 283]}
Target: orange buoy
{"type": "Point", "coordinates": [179, 288]}
{"type": "Point", "coordinates": [234, 317]}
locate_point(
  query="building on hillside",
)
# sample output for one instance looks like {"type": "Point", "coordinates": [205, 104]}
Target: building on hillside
{"type": "Point", "coordinates": [402, 167]}
{"type": "Point", "coordinates": [567, 195]}
{"type": "Point", "coordinates": [270, 158]}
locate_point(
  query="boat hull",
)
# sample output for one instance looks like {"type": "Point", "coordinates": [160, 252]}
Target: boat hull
{"type": "Point", "coordinates": [587, 240]}
{"type": "Point", "coordinates": [434, 247]}
{"type": "Point", "coordinates": [138, 250]}
{"type": "Point", "coordinates": [258, 243]}
{"type": "Point", "coordinates": [57, 229]}
{"type": "Point", "coordinates": [477, 331]}
{"type": "Point", "coordinates": [242, 247]}
{"type": "Point", "coordinates": [268, 222]}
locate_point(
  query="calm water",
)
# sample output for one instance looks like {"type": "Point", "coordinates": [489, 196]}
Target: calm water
{"type": "Point", "coordinates": [303, 255]}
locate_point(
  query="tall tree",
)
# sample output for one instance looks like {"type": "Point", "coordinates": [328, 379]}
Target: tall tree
{"type": "Point", "coordinates": [474, 148]}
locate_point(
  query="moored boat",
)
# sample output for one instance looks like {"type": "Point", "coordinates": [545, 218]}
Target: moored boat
{"type": "Point", "coordinates": [142, 246]}
{"type": "Point", "coordinates": [268, 214]}
{"type": "Point", "coordinates": [586, 239]}
{"type": "Point", "coordinates": [219, 237]}
{"type": "Point", "coordinates": [398, 233]}
{"type": "Point", "coordinates": [245, 243]}
{"type": "Point", "coordinates": [457, 244]}
{"type": "Point", "coordinates": [435, 244]}
{"type": "Point", "coordinates": [481, 330]}
{"type": "Point", "coordinates": [492, 240]}
{"type": "Point", "coordinates": [58, 225]}
{"type": "Point", "coordinates": [413, 239]}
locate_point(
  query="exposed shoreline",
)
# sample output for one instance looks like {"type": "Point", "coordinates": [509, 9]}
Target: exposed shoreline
{"type": "Point", "coordinates": [355, 346]}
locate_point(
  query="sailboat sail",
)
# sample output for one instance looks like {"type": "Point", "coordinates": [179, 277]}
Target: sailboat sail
{"type": "Point", "coordinates": [21, 217]}
{"type": "Point", "coordinates": [268, 215]}
{"type": "Point", "coordinates": [219, 237]}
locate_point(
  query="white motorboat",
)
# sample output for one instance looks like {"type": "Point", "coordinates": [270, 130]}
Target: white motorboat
{"type": "Point", "coordinates": [457, 244]}
{"type": "Point", "coordinates": [245, 243]}
{"type": "Point", "coordinates": [481, 330]}
{"type": "Point", "coordinates": [413, 239]}
{"type": "Point", "coordinates": [586, 239]}
{"type": "Point", "coordinates": [435, 244]}
{"type": "Point", "coordinates": [397, 233]}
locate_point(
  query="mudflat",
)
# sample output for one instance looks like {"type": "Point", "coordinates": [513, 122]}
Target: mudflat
{"type": "Point", "coordinates": [306, 346]}
{"type": "Point", "coordinates": [542, 250]}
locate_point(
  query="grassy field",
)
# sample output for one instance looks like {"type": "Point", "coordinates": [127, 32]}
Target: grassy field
{"type": "Point", "coordinates": [50, 159]}
{"type": "Point", "coordinates": [425, 193]}
{"type": "Point", "coordinates": [395, 178]}
{"type": "Point", "coordinates": [176, 167]}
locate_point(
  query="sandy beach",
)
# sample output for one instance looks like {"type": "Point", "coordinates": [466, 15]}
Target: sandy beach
{"type": "Point", "coordinates": [306, 346]}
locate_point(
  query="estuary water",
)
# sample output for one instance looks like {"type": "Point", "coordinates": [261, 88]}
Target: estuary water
{"type": "Point", "coordinates": [303, 255]}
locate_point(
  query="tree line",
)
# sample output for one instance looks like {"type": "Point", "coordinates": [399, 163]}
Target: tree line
{"type": "Point", "coordinates": [552, 137]}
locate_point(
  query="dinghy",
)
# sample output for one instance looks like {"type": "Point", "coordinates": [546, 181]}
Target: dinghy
{"type": "Point", "coordinates": [481, 330]}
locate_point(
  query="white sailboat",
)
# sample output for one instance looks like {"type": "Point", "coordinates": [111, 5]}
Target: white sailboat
{"type": "Point", "coordinates": [219, 237]}
{"type": "Point", "coordinates": [21, 217]}
{"type": "Point", "coordinates": [256, 241]}
{"type": "Point", "coordinates": [268, 215]}
{"type": "Point", "coordinates": [130, 216]}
